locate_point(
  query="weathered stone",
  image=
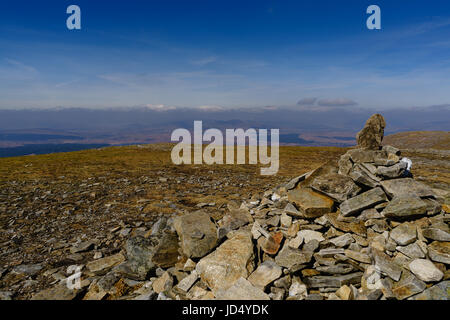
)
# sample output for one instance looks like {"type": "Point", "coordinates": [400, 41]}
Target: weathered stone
{"type": "Point", "coordinates": [391, 149]}
{"type": "Point", "coordinates": [257, 231]}
{"type": "Point", "coordinates": [425, 270]}
{"type": "Point", "coordinates": [363, 177]}
{"type": "Point", "coordinates": [166, 252]}
{"type": "Point", "coordinates": [198, 235]}
{"type": "Point", "coordinates": [285, 220]}
{"type": "Point", "coordinates": [371, 136]}
{"type": "Point", "coordinates": [145, 254]}
{"type": "Point", "coordinates": [28, 269]}
{"type": "Point", "coordinates": [373, 157]}
{"type": "Point", "coordinates": [406, 186]}
{"type": "Point", "coordinates": [298, 289]}
{"type": "Point", "coordinates": [342, 241]}
{"type": "Point", "coordinates": [407, 286]}
{"type": "Point", "coordinates": [58, 292]}
{"type": "Point", "coordinates": [405, 207]}
{"type": "Point", "coordinates": [186, 283]}
{"type": "Point", "coordinates": [309, 235]}
{"type": "Point", "coordinates": [434, 207]}
{"type": "Point", "coordinates": [230, 261]}
{"type": "Point", "coordinates": [391, 172]}
{"type": "Point", "coordinates": [311, 246]}
{"type": "Point", "coordinates": [404, 234]}
{"type": "Point", "coordinates": [296, 242]}
{"type": "Point", "coordinates": [345, 164]}
{"type": "Point", "coordinates": [363, 201]}
{"type": "Point", "coordinates": [439, 251]}
{"type": "Point", "coordinates": [386, 266]}
{"type": "Point", "coordinates": [339, 268]}
{"type": "Point", "coordinates": [103, 264]}
{"type": "Point", "coordinates": [266, 272]}
{"type": "Point", "coordinates": [271, 245]}
{"type": "Point", "coordinates": [163, 283]}
{"type": "Point", "coordinates": [310, 203]}
{"type": "Point", "coordinates": [333, 281]}
{"type": "Point", "coordinates": [83, 247]}
{"type": "Point", "coordinates": [345, 293]}
{"type": "Point", "coordinates": [358, 256]}
{"type": "Point", "coordinates": [357, 227]}
{"type": "Point", "coordinates": [412, 250]}
{"type": "Point", "coordinates": [371, 213]}
{"type": "Point", "coordinates": [242, 289]}
{"type": "Point", "coordinates": [436, 233]}
{"type": "Point", "coordinates": [234, 220]}
{"type": "Point", "coordinates": [336, 186]}
{"type": "Point", "coordinates": [440, 291]}
{"type": "Point", "coordinates": [294, 182]}
{"type": "Point", "coordinates": [293, 259]}
{"type": "Point", "coordinates": [292, 211]}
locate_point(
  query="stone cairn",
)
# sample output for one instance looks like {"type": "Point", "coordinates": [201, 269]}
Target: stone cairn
{"type": "Point", "coordinates": [352, 229]}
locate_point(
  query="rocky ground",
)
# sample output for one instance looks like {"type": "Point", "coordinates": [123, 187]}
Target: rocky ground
{"type": "Point", "coordinates": [141, 228]}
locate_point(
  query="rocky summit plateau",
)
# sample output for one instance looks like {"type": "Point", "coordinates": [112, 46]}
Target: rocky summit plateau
{"type": "Point", "coordinates": [356, 227]}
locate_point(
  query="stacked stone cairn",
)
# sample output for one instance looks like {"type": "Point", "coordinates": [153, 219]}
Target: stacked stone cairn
{"type": "Point", "coordinates": [352, 229]}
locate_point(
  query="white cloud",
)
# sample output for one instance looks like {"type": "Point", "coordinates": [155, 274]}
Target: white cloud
{"type": "Point", "coordinates": [210, 108]}
{"type": "Point", "coordinates": [159, 107]}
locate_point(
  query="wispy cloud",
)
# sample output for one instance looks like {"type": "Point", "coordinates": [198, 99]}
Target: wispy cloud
{"type": "Point", "coordinates": [204, 61]}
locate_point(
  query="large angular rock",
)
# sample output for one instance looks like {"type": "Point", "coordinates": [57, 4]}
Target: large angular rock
{"type": "Point", "coordinates": [234, 220]}
{"type": "Point", "coordinates": [408, 286]}
{"type": "Point", "coordinates": [100, 266]}
{"type": "Point", "coordinates": [391, 172]}
{"type": "Point", "coordinates": [333, 281]}
{"type": "Point", "coordinates": [386, 266]}
{"type": "Point", "coordinates": [198, 235]}
{"type": "Point", "coordinates": [412, 251]}
{"type": "Point", "coordinates": [345, 164]}
{"type": "Point", "coordinates": [310, 203]}
{"type": "Point", "coordinates": [406, 186]}
{"type": "Point", "coordinates": [439, 251]}
{"type": "Point", "coordinates": [404, 234]}
{"type": "Point", "coordinates": [58, 292]}
{"type": "Point", "coordinates": [145, 254]}
{"type": "Point", "coordinates": [374, 157]}
{"type": "Point", "coordinates": [440, 291]}
{"type": "Point", "coordinates": [363, 201]}
{"type": "Point", "coordinates": [357, 227]}
{"type": "Point", "coordinates": [336, 186]}
{"type": "Point", "coordinates": [403, 207]}
{"type": "Point", "coordinates": [425, 270]}
{"type": "Point", "coordinates": [309, 235]}
{"type": "Point", "coordinates": [293, 259]}
{"type": "Point", "coordinates": [364, 177]}
{"type": "Point", "coordinates": [266, 272]}
{"type": "Point", "coordinates": [242, 289]}
{"type": "Point", "coordinates": [437, 232]}
{"type": "Point", "coordinates": [371, 136]}
{"type": "Point", "coordinates": [230, 261]}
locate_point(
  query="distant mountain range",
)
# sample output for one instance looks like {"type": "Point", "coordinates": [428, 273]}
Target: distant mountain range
{"type": "Point", "coordinates": [39, 131]}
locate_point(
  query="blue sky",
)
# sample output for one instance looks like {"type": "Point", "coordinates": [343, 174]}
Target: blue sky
{"type": "Point", "coordinates": [224, 54]}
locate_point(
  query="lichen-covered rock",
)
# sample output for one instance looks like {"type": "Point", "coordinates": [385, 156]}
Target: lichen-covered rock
{"type": "Point", "coordinates": [230, 261]}
{"type": "Point", "coordinates": [371, 136]}
{"type": "Point", "coordinates": [198, 235]}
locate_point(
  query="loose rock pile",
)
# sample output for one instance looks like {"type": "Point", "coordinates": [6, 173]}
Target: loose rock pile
{"type": "Point", "coordinates": [353, 229]}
